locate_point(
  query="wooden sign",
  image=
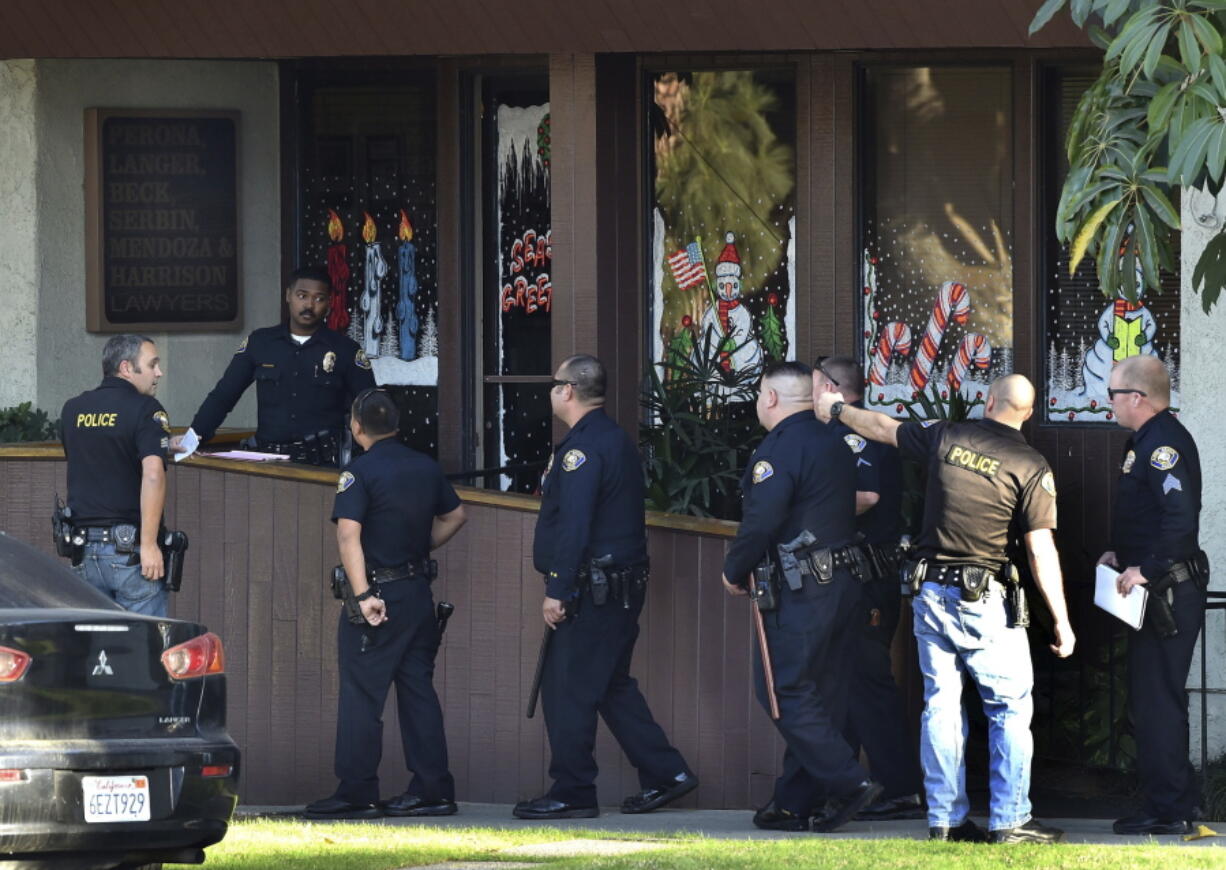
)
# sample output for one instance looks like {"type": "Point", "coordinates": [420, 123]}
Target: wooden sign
{"type": "Point", "coordinates": [161, 230]}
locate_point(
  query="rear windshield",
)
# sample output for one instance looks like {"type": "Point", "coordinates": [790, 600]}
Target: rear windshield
{"type": "Point", "coordinates": [31, 578]}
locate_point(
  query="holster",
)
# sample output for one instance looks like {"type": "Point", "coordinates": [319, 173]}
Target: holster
{"type": "Point", "coordinates": [911, 576]}
{"type": "Point", "coordinates": [68, 542]}
{"type": "Point", "coordinates": [974, 581]}
{"type": "Point", "coordinates": [789, 562]}
{"type": "Point", "coordinates": [342, 590]}
{"type": "Point", "coordinates": [1162, 611]}
{"type": "Point", "coordinates": [763, 589]}
{"type": "Point", "coordinates": [174, 547]}
{"type": "Point", "coordinates": [598, 580]}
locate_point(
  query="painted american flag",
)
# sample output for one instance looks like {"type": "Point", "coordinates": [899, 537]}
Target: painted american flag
{"type": "Point", "coordinates": [688, 267]}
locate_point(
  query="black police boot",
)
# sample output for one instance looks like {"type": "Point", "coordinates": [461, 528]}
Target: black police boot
{"type": "Point", "coordinates": [416, 805]}
{"type": "Point", "coordinates": [906, 806]}
{"type": "Point", "coordinates": [967, 832]}
{"type": "Point", "coordinates": [653, 798]}
{"type": "Point", "coordinates": [1033, 831]}
{"type": "Point", "coordinates": [545, 807]}
{"type": "Point", "coordinates": [847, 807]}
{"type": "Point", "coordinates": [773, 818]}
{"type": "Point", "coordinates": [338, 808]}
{"type": "Point", "coordinates": [1142, 824]}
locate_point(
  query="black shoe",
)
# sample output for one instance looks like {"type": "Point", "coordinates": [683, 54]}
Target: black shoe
{"type": "Point", "coordinates": [653, 798]}
{"type": "Point", "coordinates": [773, 818]}
{"type": "Point", "coordinates": [1033, 831]}
{"type": "Point", "coordinates": [416, 805]}
{"type": "Point", "coordinates": [905, 806]}
{"type": "Point", "coordinates": [967, 832]}
{"type": "Point", "coordinates": [846, 808]}
{"type": "Point", "coordinates": [546, 807]}
{"type": "Point", "coordinates": [336, 808]}
{"type": "Point", "coordinates": [1151, 825]}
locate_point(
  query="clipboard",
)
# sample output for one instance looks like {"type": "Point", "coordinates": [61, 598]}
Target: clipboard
{"type": "Point", "coordinates": [1130, 610]}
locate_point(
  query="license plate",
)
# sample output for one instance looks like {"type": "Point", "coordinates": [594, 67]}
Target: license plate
{"type": "Point", "coordinates": [115, 798]}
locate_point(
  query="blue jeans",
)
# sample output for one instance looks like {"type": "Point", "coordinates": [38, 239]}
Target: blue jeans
{"type": "Point", "coordinates": [957, 637]}
{"type": "Point", "coordinates": [110, 573]}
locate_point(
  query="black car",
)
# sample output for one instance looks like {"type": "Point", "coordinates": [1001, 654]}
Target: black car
{"type": "Point", "coordinates": [113, 743]}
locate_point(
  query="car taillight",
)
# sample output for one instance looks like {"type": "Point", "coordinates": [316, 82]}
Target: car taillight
{"type": "Point", "coordinates": [197, 657]}
{"type": "Point", "coordinates": [217, 770]}
{"type": "Point", "coordinates": [12, 774]}
{"type": "Point", "coordinates": [13, 664]}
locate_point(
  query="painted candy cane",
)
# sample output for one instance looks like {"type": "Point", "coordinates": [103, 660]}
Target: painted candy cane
{"type": "Point", "coordinates": [973, 351]}
{"type": "Point", "coordinates": [952, 303]}
{"type": "Point", "coordinates": [895, 339]}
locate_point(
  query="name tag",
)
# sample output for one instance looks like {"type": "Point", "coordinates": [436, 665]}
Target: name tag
{"type": "Point", "coordinates": [980, 463]}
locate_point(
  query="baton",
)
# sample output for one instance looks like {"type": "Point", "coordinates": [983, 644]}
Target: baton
{"type": "Point", "coordinates": [540, 671]}
{"type": "Point", "coordinates": [768, 671]}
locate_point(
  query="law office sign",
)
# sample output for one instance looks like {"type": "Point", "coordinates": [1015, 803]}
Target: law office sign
{"type": "Point", "coordinates": [161, 230]}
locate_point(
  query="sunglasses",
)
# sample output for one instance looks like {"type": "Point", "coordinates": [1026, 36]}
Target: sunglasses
{"type": "Point", "coordinates": [821, 361]}
{"type": "Point", "coordinates": [556, 383]}
{"type": "Point", "coordinates": [1111, 393]}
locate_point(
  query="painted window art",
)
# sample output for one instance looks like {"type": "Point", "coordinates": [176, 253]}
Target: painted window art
{"type": "Point", "coordinates": [368, 214]}
{"type": "Point", "coordinates": [937, 263]}
{"type": "Point", "coordinates": [1086, 334]}
{"type": "Point", "coordinates": [724, 217]}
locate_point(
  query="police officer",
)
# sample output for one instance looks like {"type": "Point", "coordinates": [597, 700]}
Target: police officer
{"type": "Point", "coordinates": [985, 486]}
{"type": "Point", "coordinates": [591, 545]}
{"type": "Point", "coordinates": [393, 506]}
{"type": "Point", "coordinates": [305, 373]}
{"type": "Point", "coordinates": [875, 705]}
{"type": "Point", "coordinates": [1154, 542]}
{"type": "Point", "coordinates": [115, 438]}
{"type": "Point", "coordinates": [802, 479]}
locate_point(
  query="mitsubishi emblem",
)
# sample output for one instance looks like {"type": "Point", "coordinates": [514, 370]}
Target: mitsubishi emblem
{"type": "Point", "coordinates": [102, 668]}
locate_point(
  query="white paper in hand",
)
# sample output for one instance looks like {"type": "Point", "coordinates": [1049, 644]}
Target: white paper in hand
{"type": "Point", "coordinates": [1130, 610]}
{"type": "Point", "coordinates": [189, 444]}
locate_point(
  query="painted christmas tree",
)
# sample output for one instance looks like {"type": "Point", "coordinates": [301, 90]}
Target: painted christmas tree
{"type": "Point", "coordinates": [389, 345]}
{"type": "Point", "coordinates": [771, 328]}
{"type": "Point", "coordinates": [428, 343]}
{"type": "Point", "coordinates": [681, 346]}
{"type": "Point", "coordinates": [355, 326]}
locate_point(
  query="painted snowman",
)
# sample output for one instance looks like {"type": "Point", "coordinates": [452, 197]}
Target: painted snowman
{"type": "Point", "coordinates": [1124, 329]}
{"type": "Point", "coordinates": [728, 323]}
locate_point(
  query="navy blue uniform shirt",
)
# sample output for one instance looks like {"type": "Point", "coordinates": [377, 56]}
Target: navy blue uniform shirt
{"type": "Point", "coordinates": [986, 488]}
{"type": "Point", "coordinates": [107, 432]}
{"type": "Point", "coordinates": [592, 504]}
{"type": "Point", "coordinates": [301, 389]}
{"type": "Point", "coordinates": [879, 470]}
{"type": "Point", "coordinates": [395, 493]}
{"type": "Point", "coordinates": [1157, 501]}
{"type": "Point", "coordinates": [802, 476]}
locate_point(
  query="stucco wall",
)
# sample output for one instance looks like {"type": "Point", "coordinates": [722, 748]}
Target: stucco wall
{"type": "Point", "coordinates": [192, 362]}
{"type": "Point", "coordinates": [19, 235]}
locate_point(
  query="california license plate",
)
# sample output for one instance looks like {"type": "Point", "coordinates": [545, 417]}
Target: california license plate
{"type": "Point", "coordinates": [115, 798]}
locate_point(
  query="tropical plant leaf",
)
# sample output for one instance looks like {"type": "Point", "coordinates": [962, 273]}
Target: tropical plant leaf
{"type": "Point", "coordinates": [1086, 234]}
{"type": "Point", "coordinates": [1209, 276]}
{"type": "Point", "coordinates": [1044, 15]}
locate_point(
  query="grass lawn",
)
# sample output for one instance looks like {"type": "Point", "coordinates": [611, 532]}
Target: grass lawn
{"type": "Point", "coordinates": [292, 845]}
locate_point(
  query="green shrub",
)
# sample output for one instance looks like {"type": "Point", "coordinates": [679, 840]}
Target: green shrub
{"type": "Point", "coordinates": [26, 423]}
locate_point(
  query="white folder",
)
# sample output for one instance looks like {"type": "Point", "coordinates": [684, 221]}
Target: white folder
{"type": "Point", "coordinates": [1130, 610]}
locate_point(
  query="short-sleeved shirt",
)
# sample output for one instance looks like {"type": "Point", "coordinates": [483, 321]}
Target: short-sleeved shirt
{"type": "Point", "coordinates": [801, 477]}
{"type": "Point", "coordinates": [592, 504]}
{"type": "Point", "coordinates": [107, 433]}
{"type": "Point", "coordinates": [301, 389]}
{"type": "Point", "coordinates": [1157, 501]}
{"type": "Point", "coordinates": [395, 493]}
{"type": "Point", "coordinates": [986, 489]}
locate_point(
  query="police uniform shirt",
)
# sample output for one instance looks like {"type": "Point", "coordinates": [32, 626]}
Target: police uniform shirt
{"type": "Point", "coordinates": [1157, 503]}
{"type": "Point", "coordinates": [802, 476]}
{"type": "Point", "coordinates": [301, 389]}
{"type": "Point", "coordinates": [107, 433]}
{"type": "Point", "coordinates": [395, 492]}
{"type": "Point", "coordinates": [986, 486]}
{"type": "Point", "coordinates": [592, 504]}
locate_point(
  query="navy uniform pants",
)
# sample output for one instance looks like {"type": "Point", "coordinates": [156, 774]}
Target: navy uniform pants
{"type": "Point", "coordinates": [587, 673]}
{"type": "Point", "coordinates": [809, 637]}
{"type": "Point", "coordinates": [876, 716]}
{"type": "Point", "coordinates": [402, 652]}
{"type": "Point", "coordinates": [1158, 704]}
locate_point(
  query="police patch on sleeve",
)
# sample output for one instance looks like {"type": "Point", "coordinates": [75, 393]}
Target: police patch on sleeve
{"type": "Point", "coordinates": [855, 442]}
{"type": "Point", "coordinates": [1164, 458]}
{"type": "Point", "coordinates": [1171, 483]}
{"type": "Point", "coordinates": [163, 419]}
{"type": "Point", "coordinates": [1129, 458]}
{"type": "Point", "coordinates": [242, 346]}
{"type": "Point", "coordinates": [344, 481]}
{"type": "Point", "coordinates": [361, 360]}
{"type": "Point", "coordinates": [573, 459]}
{"type": "Point", "coordinates": [762, 470]}
{"type": "Point", "coordinates": [1049, 484]}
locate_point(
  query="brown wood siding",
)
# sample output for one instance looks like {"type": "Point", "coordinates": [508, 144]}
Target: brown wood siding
{"type": "Point", "coordinates": [255, 574]}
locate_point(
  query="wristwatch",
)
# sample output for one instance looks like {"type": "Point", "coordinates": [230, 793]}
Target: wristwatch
{"type": "Point", "coordinates": [369, 593]}
{"type": "Point", "coordinates": [836, 409]}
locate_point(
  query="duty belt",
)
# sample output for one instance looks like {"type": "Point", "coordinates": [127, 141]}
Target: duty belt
{"type": "Point", "coordinates": [821, 562]}
{"type": "Point", "coordinates": [425, 569]}
{"type": "Point", "coordinates": [318, 449]}
{"type": "Point", "coordinates": [1196, 568]}
{"type": "Point", "coordinates": [601, 582]}
{"type": "Point", "coordinates": [882, 561]}
{"type": "Point", "coordinates": [952, 573]}
{"type": "Point", "coordinates": [122, 535]}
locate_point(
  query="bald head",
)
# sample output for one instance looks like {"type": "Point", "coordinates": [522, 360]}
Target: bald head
{"type": "Point", "coordinates": [1010, 400]}
{"type": "Point", "coordinates": [1148, 374]}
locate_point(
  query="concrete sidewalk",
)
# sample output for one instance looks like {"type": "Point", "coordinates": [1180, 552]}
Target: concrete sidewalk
{"type": "Point", "coordinates": [734, 825]}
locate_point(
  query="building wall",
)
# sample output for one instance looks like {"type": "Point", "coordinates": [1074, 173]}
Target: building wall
{"type": "Point", "coordinates": [68, 355]}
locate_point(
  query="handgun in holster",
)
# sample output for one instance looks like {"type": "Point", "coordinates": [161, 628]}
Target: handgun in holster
{"type": "Point", "coordinates": [69, 543]}
{"type": "Point", "coordinates": [342, 590]}
{"type": "Point", "coordinates": [762, 586]}
{"type": "Point", "coordinates": [1015, 596]}
{"type": "Point", "coordinates": [789, 563]}
{"type": "Point", "coordinates": [911, 576]}
{"type": "Point", "coordinates": [599, 580]}
{"type": "Point", "coordinates": [1161, 607]}
{"type": "Point", "coordinates": [173, 545]}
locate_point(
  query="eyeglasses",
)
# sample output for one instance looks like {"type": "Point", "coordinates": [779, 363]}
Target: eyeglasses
{"type": "Point", "coordinates": [1112, 393]}
{"type": "Point", "coordinates": [821, 362]}
{"type": "Point", "coordinates": [556, 383]}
